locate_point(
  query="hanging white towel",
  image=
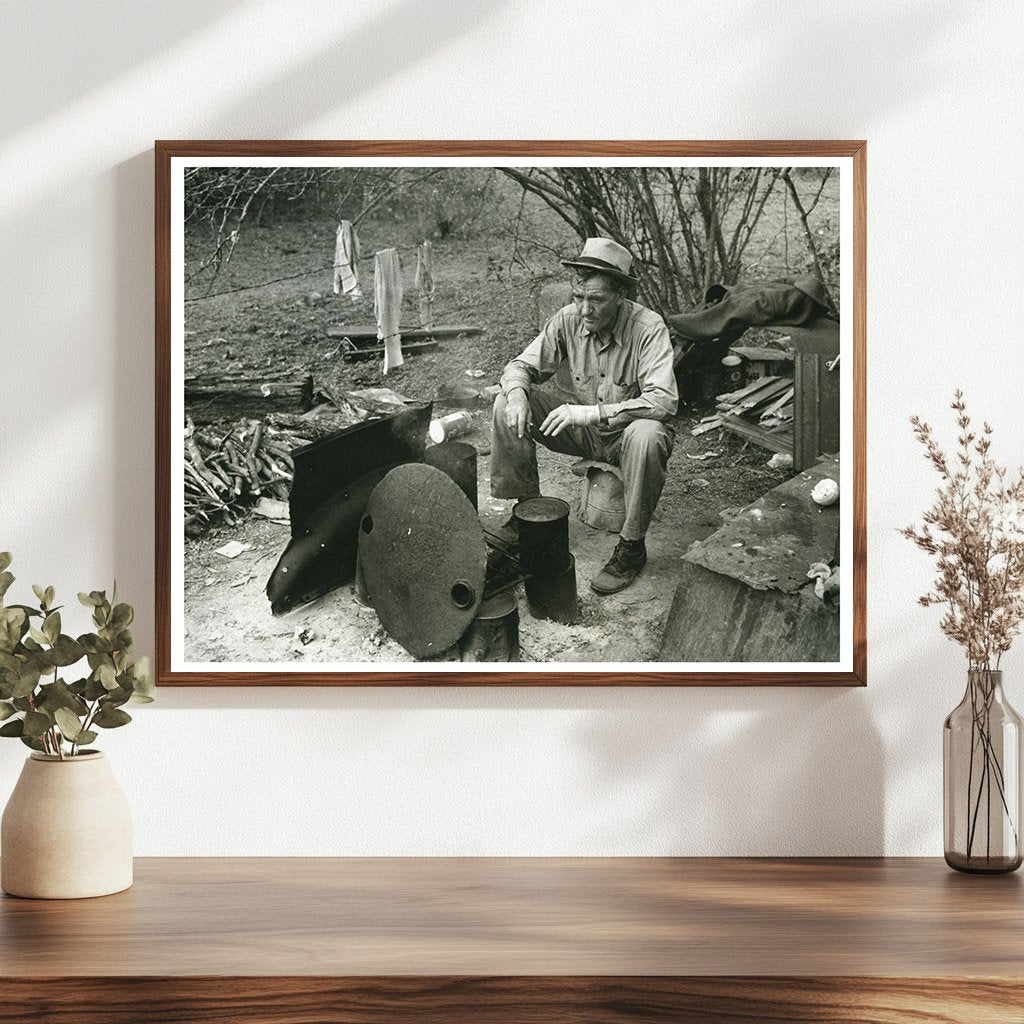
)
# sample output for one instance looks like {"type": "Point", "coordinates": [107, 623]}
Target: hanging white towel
{"type": "Point", "coordinates": [387, 305]}
{"type": "Point", "coordinates": [346, 259]}
{"type": "Point", "coordinates": [425, 283]}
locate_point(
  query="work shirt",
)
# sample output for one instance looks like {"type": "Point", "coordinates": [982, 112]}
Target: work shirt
{"type": "Point", "coordinates": [625, 369]}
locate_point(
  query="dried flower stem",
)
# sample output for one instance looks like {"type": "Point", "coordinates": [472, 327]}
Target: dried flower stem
{"type": "Point", "coordinates": [975, 530]}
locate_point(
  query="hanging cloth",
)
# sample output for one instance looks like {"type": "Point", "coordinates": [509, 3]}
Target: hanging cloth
{"type": "Point", "coordinates": [387, 305]}
{"type": "Point", "coordinates": [425, 283]}
{"type": "Point", "coordinates": [346, 258]}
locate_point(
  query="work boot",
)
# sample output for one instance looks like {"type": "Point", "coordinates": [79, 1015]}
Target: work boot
{"type": "Point", "coordinates": [628, 558]}
{"type": "Point", "coordinates": [508, 532]}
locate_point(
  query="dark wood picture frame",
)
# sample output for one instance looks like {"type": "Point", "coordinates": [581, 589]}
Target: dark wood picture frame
{"type": "Point", "coordinates": [650, 674]}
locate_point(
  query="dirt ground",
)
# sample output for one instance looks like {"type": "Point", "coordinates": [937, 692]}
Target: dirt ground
{"type": "Point", "coordinates": [228, 618]}
{"type": "Point", "coordinates": [279, 327]}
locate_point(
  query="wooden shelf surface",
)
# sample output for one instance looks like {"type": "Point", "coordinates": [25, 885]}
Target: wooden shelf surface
{"type": "Point", "coordinates": [371, 933]}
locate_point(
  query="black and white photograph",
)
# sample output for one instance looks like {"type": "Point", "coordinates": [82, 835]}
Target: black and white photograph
{"type": "Point", "coordinates": [519, 414]}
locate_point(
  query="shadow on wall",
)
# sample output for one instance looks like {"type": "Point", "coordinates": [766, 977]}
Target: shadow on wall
{"type": "Point", "coordinates": [363, 59]}
{"type": "Point", "coordinates": [809, 49]}
{"type": "Point", "coordinates": [54, 76]}
{"type": "Point", "coordinates": [692, 771]}
{"type": "Point", "coordinates": [738, 771]}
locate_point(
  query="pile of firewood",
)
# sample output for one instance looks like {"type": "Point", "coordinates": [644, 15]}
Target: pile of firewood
{"type": "Point", "coordinates": [229, 467]}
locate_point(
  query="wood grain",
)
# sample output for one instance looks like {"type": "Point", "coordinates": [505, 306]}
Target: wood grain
{"type": "Point", "coordinates": [166, 149]}
{"type": "Point", "coordinates": [499, 916]}
{"type": "Point", "coordinates": [537, 1000]}
{"type": "Point", "coordinates": [872, 941]}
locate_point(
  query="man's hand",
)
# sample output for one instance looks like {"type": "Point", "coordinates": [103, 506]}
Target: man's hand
{"type": "Point", "coordinates": [517, 411]}
{"type": "Point", "coordinates": [569, 416]}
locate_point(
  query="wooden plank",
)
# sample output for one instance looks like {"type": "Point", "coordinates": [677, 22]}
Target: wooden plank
{"type": "Point", "coordinates": [777, 405]}
{"type": "Point", "coordinates": [368, 332]}
{"type": "Point", "coordinates": [706, 425]}
{"type": "Point", "coordinates": [817, 410]}
{"type": "Point", "coordinates": [731, 397]}
{"type": "Point", "coordinates": [776, 439]}
{"type": "Point", "coordinates": [770, 544]}
{"type": "Point", "coordinates": [758, 399]}
{"type": "Point", "coordinates": [805, 425]}
{"type": "Point", "coordinates": [764, 355]}
{"type": "Point", "coordinates": [413, 348]}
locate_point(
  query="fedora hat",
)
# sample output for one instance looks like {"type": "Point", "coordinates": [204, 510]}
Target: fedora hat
{"type": "Point", "coordinates": [606, 256]}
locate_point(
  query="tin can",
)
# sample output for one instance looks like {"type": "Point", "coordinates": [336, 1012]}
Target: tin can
{"type": "Point", "coordinates": [494, 634]}
{"type": "Point", "coordinates": [734, 373]}
{"type": "Point", "coordinates": [453, 425]}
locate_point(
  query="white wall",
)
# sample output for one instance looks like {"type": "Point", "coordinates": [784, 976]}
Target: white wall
{"type": "Point", "coordinates": [936, 88]}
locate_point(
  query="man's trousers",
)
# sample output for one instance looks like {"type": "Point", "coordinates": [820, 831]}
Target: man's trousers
{"type": "Point", "coordinates": [640, 449]}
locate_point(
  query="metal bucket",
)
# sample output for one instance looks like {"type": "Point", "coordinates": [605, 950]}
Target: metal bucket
{"type": "Point", "coordinates": [458, 460]}
{"type": "Point", "coordinates": [554, 596]}
{"type": "Point", "coordinates": [494, 634]}
{"type": "Point", "coordinates": [543, 535]}
{"type": "Point", "coordinates": [602, 500]}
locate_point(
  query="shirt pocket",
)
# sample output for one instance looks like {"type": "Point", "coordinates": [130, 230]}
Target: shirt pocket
{"type": "Point", "coordinates": [581, 386]}
{"type": "Point", "coordinates": [622, 391]}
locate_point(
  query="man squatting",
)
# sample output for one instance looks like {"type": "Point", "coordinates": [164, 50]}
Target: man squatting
{"type": "Point", "coordinates": [611, 397]}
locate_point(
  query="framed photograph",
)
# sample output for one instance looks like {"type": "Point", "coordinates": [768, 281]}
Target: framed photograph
{"type": "Point", "coordinates": [493, 413]}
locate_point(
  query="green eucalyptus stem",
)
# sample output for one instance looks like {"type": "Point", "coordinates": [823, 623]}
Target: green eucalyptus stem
{"type": "Point", "coordinates": [57, 738]}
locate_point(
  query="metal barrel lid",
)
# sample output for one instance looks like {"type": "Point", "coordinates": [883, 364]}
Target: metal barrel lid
{"type": "Point", "coordinates": [498, 607]}
{"type": "Point", "coordinates": [541, 510]}
{"type": "Point", "coordinates": [422, 551]}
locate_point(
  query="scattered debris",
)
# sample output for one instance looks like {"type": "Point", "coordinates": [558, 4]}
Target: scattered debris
{"type": "Point", "coordinates": [233, 549]}
{"type": "Point", "coordinates": [707, 424]}
{"type": "Point", "coordinates": [703, 456]}
{"type": "Point", "coordinates": [826, 582]}
{"type": "Point", "coordinates": [474, 373]}
{"type": "Point", "coordinates": [825, 492]}
{"type": "Point", "coordinates": [780, 460]}
{"type": "Point", "coordinates": [273, 509]}
{"type": "Point", "coordinates": [456, 396]}
{"type": "Point", "coordinates": [304, 636]}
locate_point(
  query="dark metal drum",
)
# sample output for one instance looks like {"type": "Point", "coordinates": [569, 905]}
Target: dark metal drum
{"type": "Point", "coordinates": [543, 535]}
{"type": "Point", "coordinates": [458, 460]}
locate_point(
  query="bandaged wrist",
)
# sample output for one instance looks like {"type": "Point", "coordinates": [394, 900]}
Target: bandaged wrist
{"type": "Point", "coordinates": [583, 415]}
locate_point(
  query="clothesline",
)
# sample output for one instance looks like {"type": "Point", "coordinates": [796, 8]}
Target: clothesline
{"type": "Point", "coordinates": [288, 277]}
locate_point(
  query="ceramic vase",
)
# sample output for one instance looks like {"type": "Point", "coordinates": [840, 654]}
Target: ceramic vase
{"type": "Point", "coordinates": [66, 831]}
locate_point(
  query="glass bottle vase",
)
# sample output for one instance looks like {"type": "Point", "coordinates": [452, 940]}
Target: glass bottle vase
{"type": "Point", "coordinates": [981, 773]}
